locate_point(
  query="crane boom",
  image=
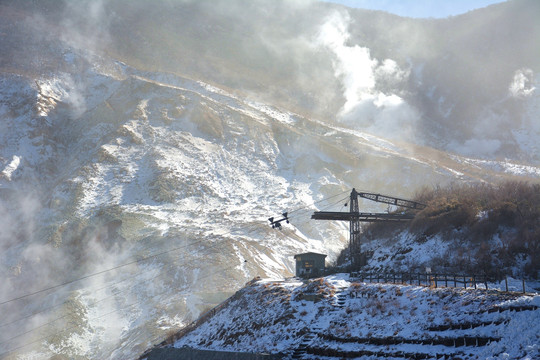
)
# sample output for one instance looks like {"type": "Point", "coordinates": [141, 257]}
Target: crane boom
{"type": "Point", "coordinates": [354, 216]}
{"type": "Point", "coordinates": [365, 217]}
{"type": "Point", "coordinates": [392, 200]}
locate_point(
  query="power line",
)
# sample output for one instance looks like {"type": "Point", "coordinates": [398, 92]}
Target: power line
{"type": "Point", "coordinates": [110, 285]}
{"type": "Point", "coordinates": [98, 317]}
{"type": "Point", "coordinates": [123, 265]}
{"type": "Point", "coordinates": [335, 203]}
{"type": "Point", "coordinates": [55, 334]}
{"type": "Point", "coordinates": [98, 273]}
{"type": "Point", "coordinates": [101, 300]}
{"type": "Point", "coordinates": [127, 264]}
{"type": "Point", "coordinates": [254, 226]}
{"type": "Point", "coordinates": [316, 202]}
{"type": "Point", "coordinates": [66, 315]}
{"type": "Point", "coordinates": [324, 208]}
{"type": "Point", "coordinates": [287, 215]}
{"type": "Point", "coordinates": [64, 302]}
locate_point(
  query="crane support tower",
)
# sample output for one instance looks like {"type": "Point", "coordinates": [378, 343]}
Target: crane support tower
{"type": "Point", "coordinates": [354, 217]}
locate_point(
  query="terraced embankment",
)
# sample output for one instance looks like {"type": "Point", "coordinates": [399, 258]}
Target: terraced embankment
{"type": "Point", "coordinates": [336, 317]}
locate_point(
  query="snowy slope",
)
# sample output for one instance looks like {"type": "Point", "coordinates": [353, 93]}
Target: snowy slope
{"type": "Point", "coordinates": [124, 164]}
{"type": "Point", "coordinates": [132, 198]}
{"type": "Point", "coordinates": [337, 317]}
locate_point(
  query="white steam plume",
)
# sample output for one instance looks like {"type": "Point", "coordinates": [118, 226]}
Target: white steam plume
{"type": "Point", "coordinates": [86, 25]}
{"type": "Point", "coordinates": [522, 84]}
{"type": "Point", "coordinates": [371, 101]}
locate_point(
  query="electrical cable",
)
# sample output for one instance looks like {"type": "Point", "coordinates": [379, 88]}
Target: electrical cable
{"type": "Point", "coordinates": [96, 318]}
{"type": "Point", "coordinates": [108, 297]}
{"type": "Point", "coordinates": [98, 273]}
{"type": "Point", "coordinates": [308, 207]}
{"type": "Point", "coordinates": [316, 202]}
{"type": "Point", "coordinates": [85, 277]}
{"type": "Point", "coordinates": [131, 263]}
{"type": "Point", "coordinates": [323, 209]}
{"type": "Point", "coordinates": [64, 302]}
{"type": "Point", "coordinates": [90, 305]}
{"type": "Point", "coordinates": [118, 267]}
{"type": "Point", "coordinates": [335, 203]}
{"type": "Point", "coordinates": [110, 285]}
{"type": "Point", "coordinates": [254, 226]}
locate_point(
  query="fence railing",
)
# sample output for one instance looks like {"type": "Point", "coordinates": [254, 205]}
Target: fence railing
{"type": "Point", "coordinates": [434, 280]}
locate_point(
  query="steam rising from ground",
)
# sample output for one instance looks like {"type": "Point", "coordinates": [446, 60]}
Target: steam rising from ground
{"type": "Point", "coordinates": [86, 25]}
{"type": "Point", "coordinates": [522, 84]}
{"type": "Point", "coordinates": [298, 54]}
{"type": "Point", "coordinates": [368, 84]}
{"type": "Point", "coordinates": [31, 264]}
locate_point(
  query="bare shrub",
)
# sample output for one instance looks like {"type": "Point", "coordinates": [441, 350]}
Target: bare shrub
{"type": "Point", "coordinates": [508, 211]}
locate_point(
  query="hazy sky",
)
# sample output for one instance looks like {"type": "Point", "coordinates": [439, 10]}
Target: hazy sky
{"type": "Point", "coordinates": [420, 8]}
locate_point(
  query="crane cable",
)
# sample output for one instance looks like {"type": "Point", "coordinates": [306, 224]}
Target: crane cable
{"type": "Point", "coordinates": [124, 265]}
{"type": "Point", "coordinates": [116, 283]}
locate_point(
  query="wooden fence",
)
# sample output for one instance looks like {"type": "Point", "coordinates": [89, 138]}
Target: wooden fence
{"type": "Point", "coordinates": [429, 279]}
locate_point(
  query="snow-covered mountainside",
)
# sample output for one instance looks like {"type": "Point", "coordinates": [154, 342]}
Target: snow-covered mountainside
{"type": "Point", "coordinates": [134, 195]}
{"type": "Point", "coordinates": [340, 317]}
{"type": "Point", "coordinates": [452, 253]}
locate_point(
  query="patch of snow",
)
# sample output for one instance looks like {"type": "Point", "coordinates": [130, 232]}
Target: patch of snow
{"type": "Point", "coordinates": [273, 113]}
{"type": "Point", "coordinates": [11, 167]}
{"type": "Point", "coordinates": [278, 313]}
{"type": "Point", "coordinates": [507, 167]}
{"type": "Point", "coordinates": [482, 215]}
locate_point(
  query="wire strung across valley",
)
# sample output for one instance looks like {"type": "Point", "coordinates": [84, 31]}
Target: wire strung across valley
{"type": "Point", "coordinates": [126, 264]}
{"type": "Point", "coordinates": [101, 300]}
{"type": "Point", "coordinates": [95, 318]}
{"type": "Point", "coordinates": [254, 226]}
{"type": "Point", "coordinates": [108, 286]}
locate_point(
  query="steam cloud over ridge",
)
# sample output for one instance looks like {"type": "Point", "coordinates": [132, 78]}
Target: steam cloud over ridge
{"type": "Point", "coordinates": [131, 128]}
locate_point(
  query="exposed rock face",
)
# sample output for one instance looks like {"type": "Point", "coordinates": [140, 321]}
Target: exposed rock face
{"type": "Point", "coordinates": [143, 147]}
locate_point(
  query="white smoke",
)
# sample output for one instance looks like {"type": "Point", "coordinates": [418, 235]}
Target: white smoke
{"type": "Point", "coordinates": [86, 25]}
{"type": "Point", "coordinates": [480, 147]}
{"type": "Point", "coordinates": [367, 105]}
{"type": "Point", "coordinates": [353, 65]}
{"type": "Point", "coordinates": [61, 89]}
{"type": "Point", "coordinates": [522, 83]}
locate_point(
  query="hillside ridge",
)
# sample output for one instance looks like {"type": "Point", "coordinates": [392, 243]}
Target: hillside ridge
{"type": "Point", "coordinates": [339, 316]}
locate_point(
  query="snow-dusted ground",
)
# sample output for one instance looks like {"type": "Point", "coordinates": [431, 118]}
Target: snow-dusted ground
{"type": "Point", "coordinates": [102, 164]}
{"type": "Point", "coordinates": [339, 316]}
{"type": "Point", "coordinates": [404, 251]}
